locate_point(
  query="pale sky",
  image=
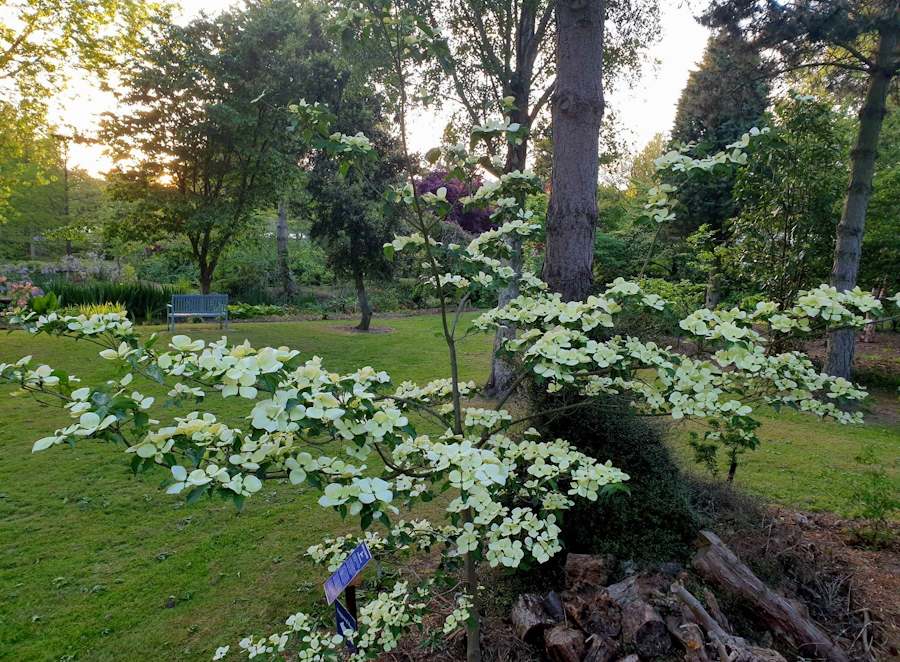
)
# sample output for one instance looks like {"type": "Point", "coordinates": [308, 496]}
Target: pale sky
{"type": "Point", "coordinates": [644, 110]}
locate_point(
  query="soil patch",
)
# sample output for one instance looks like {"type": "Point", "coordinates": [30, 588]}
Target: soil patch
{"type": "Point", "coordinates": [373, 330]}
{"type": "Point", "coordinates": [315, 317]}
{"type": "Point", "coordinates": [875, 363]}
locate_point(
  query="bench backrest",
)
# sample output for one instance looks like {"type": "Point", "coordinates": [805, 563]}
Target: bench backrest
{"type": "Point", "coordinates": [199, 303]}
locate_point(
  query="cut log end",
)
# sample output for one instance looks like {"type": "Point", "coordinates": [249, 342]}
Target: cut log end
{"type": "Point", "coordinates": [564, 644]}
{"type": "Point", "coordinates": [530, 618]}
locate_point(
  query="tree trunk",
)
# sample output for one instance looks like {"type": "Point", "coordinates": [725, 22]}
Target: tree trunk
{"type": "Point", "coordinates": [713, 286]}
{"type": "Point", "coordinates": [848, 247]}
{"type": "Point", "coordinates": [285, 276]}
{"type": "Point", "coordinates": [502, 371]}
{"type": "Point", "coordinates": [364, 309]}
{"type": "Point", "coordinates": [206, 276]}
{"type": "Point", "coordinates": [473, 624]}
{"type": "Point", "coordinates": [869, 330]}
{"type": "Point", "coordinates": [577, 110]}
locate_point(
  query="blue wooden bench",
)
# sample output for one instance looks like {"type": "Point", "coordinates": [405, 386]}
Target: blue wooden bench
{"type": "Point", "coordinates": [204, 306]}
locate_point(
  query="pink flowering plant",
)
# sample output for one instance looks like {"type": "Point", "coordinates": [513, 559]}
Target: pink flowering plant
{"type": "Point", "coordinates": [18, 293]}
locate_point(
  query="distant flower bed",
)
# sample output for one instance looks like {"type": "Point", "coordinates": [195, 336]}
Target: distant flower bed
{"type": "Point", "coordinates": [143, 300]}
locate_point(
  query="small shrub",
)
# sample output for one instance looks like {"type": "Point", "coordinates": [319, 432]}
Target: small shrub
{"type": "Point", "coordinates": [89, 309]}
{"type": "Point", "coordinates": [249, 310]}
{"type": "Point", "coordinates": [18, 292]}
{"type": "Point", "coordinates": [654, 521]}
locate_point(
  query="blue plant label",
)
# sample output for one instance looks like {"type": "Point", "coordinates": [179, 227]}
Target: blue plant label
{"type": "Point", "coordinates": [346, 624]}
{"type": "Point", "coordinates": [350, 568]}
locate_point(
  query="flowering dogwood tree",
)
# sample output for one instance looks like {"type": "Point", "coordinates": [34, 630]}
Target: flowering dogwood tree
{"type": "Point", "coordinates": [374, 449]}
{"type": "Point", "coordinates": [508, 485]}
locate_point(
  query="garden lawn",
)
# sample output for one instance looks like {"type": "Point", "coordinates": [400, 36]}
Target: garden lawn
{"type": "Point", "coordinates": [807, 463]}
{"type": "Point", "coordinates": [98, 565]}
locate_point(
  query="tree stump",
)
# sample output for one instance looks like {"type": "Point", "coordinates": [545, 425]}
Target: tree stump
{"type": "Point", "coordinates": [600, 649]}
{"type": "Point", "coordinates": [530, 619]}
{"type": "Point", "coordinates": [588, 570]}
{"type": "Point", "coordinates": [564, 644]}
{"type": "Point", "coordinates": [594, 612]}
{"type": "Point", "coordinates": [644, 627]}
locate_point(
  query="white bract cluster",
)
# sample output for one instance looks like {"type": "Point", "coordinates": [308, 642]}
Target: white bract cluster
{"type": "Point", "coordinates": [660, 199]}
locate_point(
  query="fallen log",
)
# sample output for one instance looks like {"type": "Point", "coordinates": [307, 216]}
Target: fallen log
{"type": "Point", "coordinates": [690, 636]}
{"type": "Point", "coordinates": [600, 649]}
{"type": "Point", "coordinates": [713, 604]}
{"type": "Point", "coordinates": [644, 627]}
{"type": "Point", "coordinates": [718, 564]}
{"type": "Point", "coordinates": [729, 647]}
{"type": "Point", "coordinates": [554, 607]}
{"type": "Point", "coordinates": [588, 570]}
{"type": "Point", "coordinates": [594, 612]}
{"type": "Point", "coordinates": [641, 623]}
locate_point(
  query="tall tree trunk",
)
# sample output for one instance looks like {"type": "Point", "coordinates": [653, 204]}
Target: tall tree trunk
{"type": "Point", "coordinates": [848, 247]}
{"type": "Point", "coordinates": [577, 112]}
{"type": "Point", "coordinates": [364, 307]}
{"type": "Point", "coordinates": [285, 276]}
{"type": "Point", "coordinates": [502, 371]}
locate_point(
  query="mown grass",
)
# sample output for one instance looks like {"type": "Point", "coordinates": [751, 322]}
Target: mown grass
{"type": "Point", "coordinates": [91, 558]}
{"type": "Point", "coordinates": [89, 555]}
{"type": "Point", "coordinates": [807, 463]}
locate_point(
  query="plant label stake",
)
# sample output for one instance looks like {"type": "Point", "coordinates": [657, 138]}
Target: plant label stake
{"type": "Point", "coordinates": [346, 578]}
{"type": "Point", "coordinates": [347, 572]}
{"type": "Point", "coordinates": [346, 624]}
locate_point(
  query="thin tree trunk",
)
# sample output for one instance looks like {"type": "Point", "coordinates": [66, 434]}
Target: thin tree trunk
{"type": "Point", "coordinates": [732, 468]}
{"type": "Point", "coordinates": [848, 247]}
{"type": "Point", "coordinates": [285, 276]}
{"type": "Point", "coordinates": [502, 371]}
{"type": "Point", "coordinates": [713, 286]}
{"type": "Point", "coordinates": [577, 111]}
{"type": "Point", "coordinates": [473, 625]}
{"type": "Point", "coordinates": [205, 279]}
{"type": "Point", "coordinates": [365, 309]}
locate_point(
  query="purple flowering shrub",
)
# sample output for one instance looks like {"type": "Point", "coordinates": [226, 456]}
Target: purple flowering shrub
{"type": "Point", "coordinates": [473, 221]}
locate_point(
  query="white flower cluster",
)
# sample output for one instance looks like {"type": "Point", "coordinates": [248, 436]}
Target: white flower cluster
{"type": "Point", "coordinates": [382, 620]}
{"type": "Point", "coordinates": [661, 198]}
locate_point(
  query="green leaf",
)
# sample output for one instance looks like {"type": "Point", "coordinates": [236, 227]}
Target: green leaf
{"type": "Point", "coordinates": [195, 494]}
